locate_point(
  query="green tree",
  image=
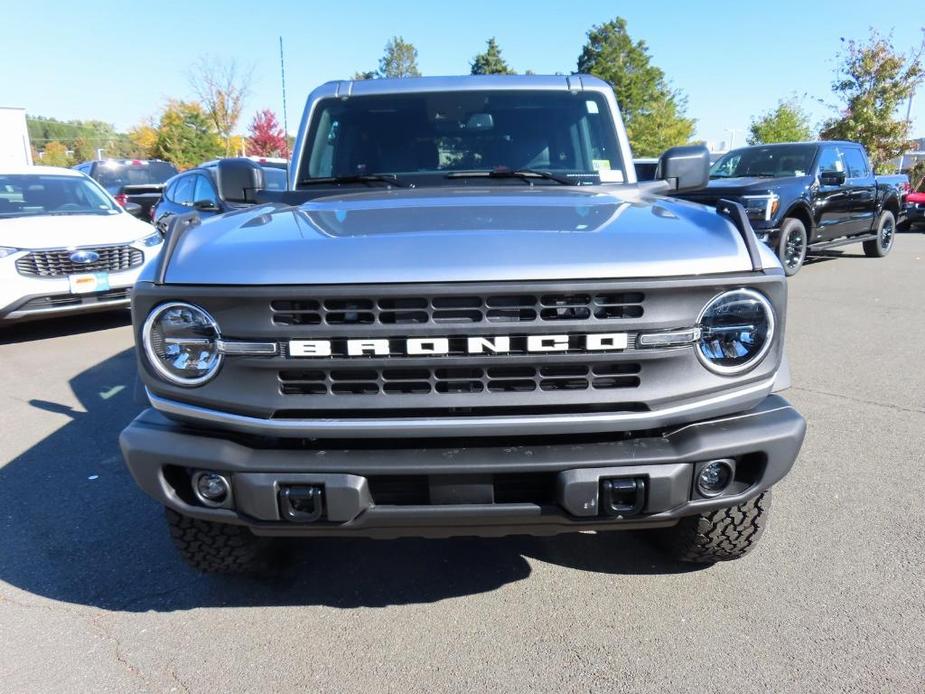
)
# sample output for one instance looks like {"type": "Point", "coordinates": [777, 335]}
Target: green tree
{"type": "Point", "coordinates": [400, 59]}
{"type": "Point", "coordinates": [55, 154]}
{"type": "Point", "coordinates": [787, 123]}
{"type": "Point", "coordinates": [872, 81]}
{"type": "Point", "coordinates": [368, 75]}
{"type": "Point", "coordinates": [490, 62]}
{"type": "Point", "coordinates": [653, 112]}
{"type": "Point", "coordinates": [185, 135]}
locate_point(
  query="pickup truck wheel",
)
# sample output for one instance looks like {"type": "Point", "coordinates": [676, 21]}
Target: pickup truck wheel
{"type": "Point", "coordinates": [217, 547]}
{"type": "Point", "coordinates": [720, 535]}
{"type": "Point", "coordinates": [883, 244]}
{"type": "Point", "coordinates": [792, 245]}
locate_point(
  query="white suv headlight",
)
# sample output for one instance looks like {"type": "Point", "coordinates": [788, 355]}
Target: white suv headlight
{"type": "Point", "coordinates": [6, 250]}
{"type": "Point", "coordinates": [150, 240]}
{"type": "Point", "coordinates": [181, 342]}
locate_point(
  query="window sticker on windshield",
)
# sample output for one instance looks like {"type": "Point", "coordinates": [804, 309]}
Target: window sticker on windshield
{"type": "Point", "coordinates": [611, 176]}
{"type": "Point", "coordinates": [600, 164]}
{"type": "Point", "coordinates": [592, 107]}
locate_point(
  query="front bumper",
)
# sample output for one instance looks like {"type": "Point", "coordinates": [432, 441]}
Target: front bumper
{"type": "Point", "coordinates": [441, 488]}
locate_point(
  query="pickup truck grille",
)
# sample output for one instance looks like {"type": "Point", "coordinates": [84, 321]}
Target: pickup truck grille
{"type": "Point", "coordinates": [471, 309]}
{"type": "Point", "coordinates": [58, 263]}
{"type": "Point", "coordinates": [452, 380]}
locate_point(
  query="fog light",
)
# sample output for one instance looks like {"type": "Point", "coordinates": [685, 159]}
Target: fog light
{"type": "Point", "coordinates": [211, 488]}
{"type": "Point", "coordinates": [714, 477]}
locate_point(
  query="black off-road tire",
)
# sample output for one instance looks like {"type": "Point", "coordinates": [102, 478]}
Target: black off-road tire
{"type": "Point", "coordinates": [792, 245]}
{"type": "Point", "coordinates": [218, 547]}
{"type": "Point", "coordinates": [720, 535]}
{"type": "Point", "coordinates": [886, 233]}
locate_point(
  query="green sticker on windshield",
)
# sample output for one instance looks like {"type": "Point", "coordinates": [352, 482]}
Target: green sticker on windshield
{"type": "Point", "coordinates": [601, 164]}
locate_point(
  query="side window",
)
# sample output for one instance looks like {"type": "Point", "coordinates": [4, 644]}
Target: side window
{"type": "Point", "coordinates": [204, 190]}
{"type": "Point", "coordinates": [857, 166]}
{"type": "Point", "coordinates": [183, 190]}
{"type": "Point", "coordinates": [830, 160]}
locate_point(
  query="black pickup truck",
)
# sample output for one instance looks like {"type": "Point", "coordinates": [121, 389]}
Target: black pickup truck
{"type": "Point", "coordinates": [809, 196]}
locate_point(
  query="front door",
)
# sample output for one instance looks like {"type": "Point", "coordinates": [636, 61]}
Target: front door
{"type": "Point", "coordinates": [831, 203]}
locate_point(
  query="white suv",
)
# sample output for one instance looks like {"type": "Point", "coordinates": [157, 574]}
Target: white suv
{"type": "Point", "coordinates": [66, 245]}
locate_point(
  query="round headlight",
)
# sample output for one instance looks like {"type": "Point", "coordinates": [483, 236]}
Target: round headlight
{"type": "Point", "coordinates": [181, 343]}
{"type": "Point", "coordinates": [737, 328]}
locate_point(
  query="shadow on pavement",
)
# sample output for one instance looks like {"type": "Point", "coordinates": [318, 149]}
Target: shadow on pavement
{"type": "Point", "coordinates": [74, 527]}
{"type": "Point", "coordinates": [27, 331]}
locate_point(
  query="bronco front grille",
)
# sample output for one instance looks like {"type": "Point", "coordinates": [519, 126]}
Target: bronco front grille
{"type": "Point", "coordinates": [455, 380]}
{"type": "Point", "coordinates": [58, 263]}
{"type": "Point", "coordinates": [464, 309]}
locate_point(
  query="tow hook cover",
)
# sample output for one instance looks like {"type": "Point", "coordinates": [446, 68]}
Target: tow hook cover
{"type": "Point", "coordinates": [622, 497]}
{"type": "Point", "coordinates": [300, 503]}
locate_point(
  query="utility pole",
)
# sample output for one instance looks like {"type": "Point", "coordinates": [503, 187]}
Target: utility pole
{"type": "Point", "coordinates": [282, 72]}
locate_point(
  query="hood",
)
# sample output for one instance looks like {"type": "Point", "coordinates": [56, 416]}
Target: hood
{"type": "Point", "coordinates": [71, 231]}
{"type": "Point", "coordinates": [459, 235]}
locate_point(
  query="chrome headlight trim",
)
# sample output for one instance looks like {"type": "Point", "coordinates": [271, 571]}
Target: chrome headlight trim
{"type": "Point", "coordinates": [155, 361]}
{"type": "Point", "coordinates": [765, 348]}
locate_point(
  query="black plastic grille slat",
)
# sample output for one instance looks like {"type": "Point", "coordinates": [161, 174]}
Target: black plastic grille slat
{"type": "Point", "coordinates": [463, 309]}
{"type": "Point", "coordinates": [58, 263]}
{"type": "Point", "coordinates": [456, 380]}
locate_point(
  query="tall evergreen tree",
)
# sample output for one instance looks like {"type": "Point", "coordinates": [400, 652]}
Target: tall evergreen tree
{"type": "Point", "coordinates": [490, 62]}
{"type": "Point", "coordinates": [653, 112]}
{"type": "Point", "coordinates": [400, 59]}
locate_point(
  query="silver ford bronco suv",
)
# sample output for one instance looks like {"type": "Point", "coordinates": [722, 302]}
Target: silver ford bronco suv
{"type": "Point", "coordinates": [463, 317]}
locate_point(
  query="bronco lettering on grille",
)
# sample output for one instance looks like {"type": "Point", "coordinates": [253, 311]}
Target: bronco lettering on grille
{"type": "Point", "coordinates": [427, 346]}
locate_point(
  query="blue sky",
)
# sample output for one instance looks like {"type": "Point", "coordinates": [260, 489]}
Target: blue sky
{"type": "Point", "coordinates": [119, 61]}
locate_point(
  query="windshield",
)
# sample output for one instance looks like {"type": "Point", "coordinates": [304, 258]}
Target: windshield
{"type": "Point", "coordinates": [772, 162]}
{"type": "Point", "coordinates": [113, 176]}
{"type": "Point", "coordinates": [423, 137]}
{"type": "Point", "coordinates": [29, 195]}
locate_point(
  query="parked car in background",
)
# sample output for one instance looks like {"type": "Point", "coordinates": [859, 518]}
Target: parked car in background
{"type": "Point", "coordinates": [196, 191]}
{"type": "Point", "coordinates": [915, 209]}
{"type": "Point", "coordinates": [140, 181]}
{"type": "Point", "coordinates": [645, 168]}
{"type": "Point", "coordinates": [809, 196]}
{"type": "Point", "coordinates": [65, 245]}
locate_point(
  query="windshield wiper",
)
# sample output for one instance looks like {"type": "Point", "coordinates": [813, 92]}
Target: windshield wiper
{"type": "Point", "coordinates": [353, 178]}
{"type": "Point", "coordinates": [524, 174]}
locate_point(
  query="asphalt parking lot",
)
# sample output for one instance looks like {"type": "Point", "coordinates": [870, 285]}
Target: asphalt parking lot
{"type": "Point", "coordinates": [94, 598]}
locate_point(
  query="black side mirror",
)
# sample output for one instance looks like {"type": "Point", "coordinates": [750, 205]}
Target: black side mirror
{"type": "Point", "coordinates": [238, 180]}
{"type": "Point", "coordinates": [134, 209]}
{"type": "Point", "coordinates": [205, 206]}
{"type": "Point", "coordinates": [832, 178]}
{"type": "Point", "coordinates": [685, 168]}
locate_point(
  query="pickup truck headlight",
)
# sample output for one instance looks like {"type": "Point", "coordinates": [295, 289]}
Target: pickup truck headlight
{"type": "Point", "coordinates": [737, 328]}
{"type": "Point", "coordinates": [181, 342]}
{"type": "Point", "coordinates": [761, 208]}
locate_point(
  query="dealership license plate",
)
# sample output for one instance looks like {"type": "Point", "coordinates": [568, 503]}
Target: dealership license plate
{"type": "Point", "coordinates": [89, 282]}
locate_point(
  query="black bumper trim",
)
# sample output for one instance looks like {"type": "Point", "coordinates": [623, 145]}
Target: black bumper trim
{"type": "Point", "coordinates": [774, 431]}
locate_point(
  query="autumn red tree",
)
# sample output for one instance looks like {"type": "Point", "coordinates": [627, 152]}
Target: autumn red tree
{"type": "Point", "coordinates": [266, 138]}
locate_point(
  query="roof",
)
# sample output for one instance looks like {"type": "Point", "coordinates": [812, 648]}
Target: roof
{"type": "Point", "coordinates": [412, 85]}
{"type": "Point", "coordinates": [39, 171]}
